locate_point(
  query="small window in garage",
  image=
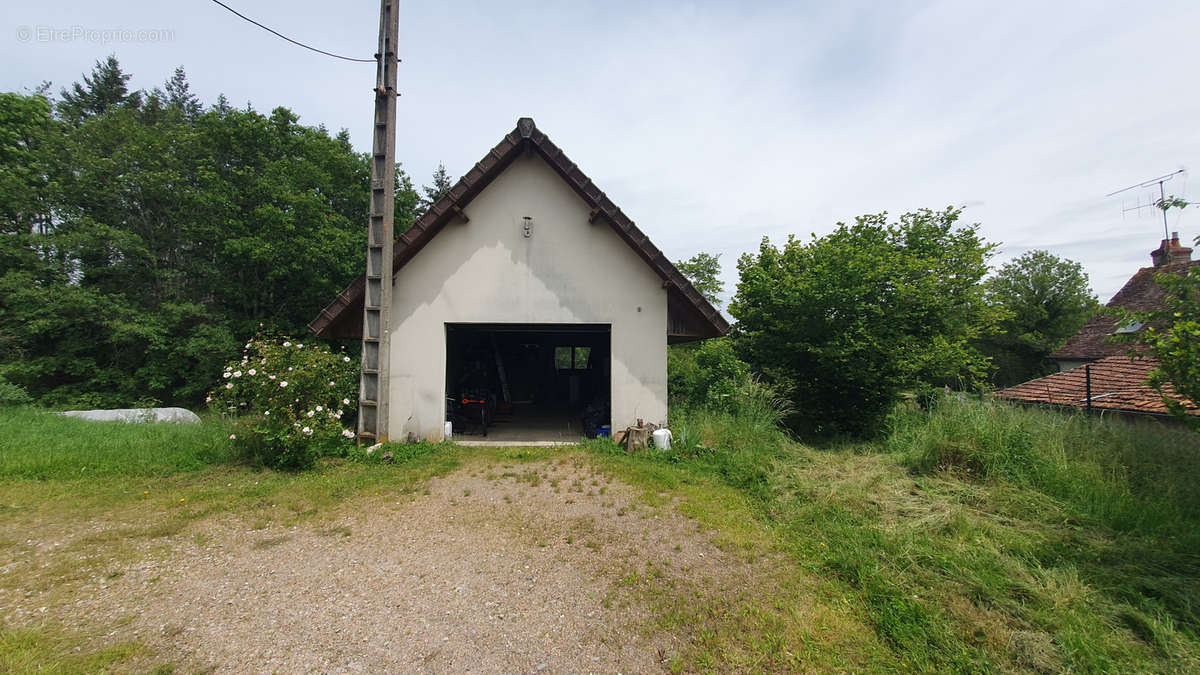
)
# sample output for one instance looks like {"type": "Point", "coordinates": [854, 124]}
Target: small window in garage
{"type": "Point", "coordinates": [572, 358]}
{"type": "Point", "coordinates": [562, 358]}
{"type": "Point", "coordinates": [581, 357]}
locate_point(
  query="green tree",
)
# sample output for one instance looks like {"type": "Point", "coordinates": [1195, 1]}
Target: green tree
{"type": "Point", "coordinates": [1046, 299]}
{"type": "Point", "coordinates": [28, 137]}
{"type": "Point", "coordinates": [1172, 337]}
{"type": "Point", "coordinates": [848, 322]}
{"type": "Point", "coordinates": [179, 96]}
{"type": "Point", "coordinates": [145, 236]}
{"type": "Point", "coordinates": [704, 271]}
{"type": "Point", "coordinates": [442, 182]}
{"type": "Point", "coordinates": [106, 87]}
{"type": "Point", "coordinates": [408, 201]}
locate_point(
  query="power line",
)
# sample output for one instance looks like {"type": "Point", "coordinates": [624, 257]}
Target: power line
{"type": "Point", "coordinates": [281, 35]}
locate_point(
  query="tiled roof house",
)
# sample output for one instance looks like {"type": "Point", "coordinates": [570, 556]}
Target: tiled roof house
{"type": "Point", "coordinates": [1117, 379]}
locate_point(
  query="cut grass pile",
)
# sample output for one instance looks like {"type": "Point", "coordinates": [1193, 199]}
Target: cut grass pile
{"type": "Point", "coordinates": [1133, 477]}
{"type": "Point", "coordinates": [976, 537]}
{"type": "Point", "coordinates": [985, 536]}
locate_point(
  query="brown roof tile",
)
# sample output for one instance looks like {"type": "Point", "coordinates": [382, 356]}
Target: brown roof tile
{"type": "Point", "coordinates": [1140, 294]}
{"type": "Point", "coordinates": [342, 318]}
{"type": "Point", "coordinates": [1118, 383]}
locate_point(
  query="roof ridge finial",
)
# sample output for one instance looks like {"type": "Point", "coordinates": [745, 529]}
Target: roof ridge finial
{"type": "Point", "coordinates": [525, 127]}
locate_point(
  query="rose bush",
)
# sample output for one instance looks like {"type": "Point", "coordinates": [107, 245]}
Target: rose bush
{"type": "Point", "coordinates": [292, 402]}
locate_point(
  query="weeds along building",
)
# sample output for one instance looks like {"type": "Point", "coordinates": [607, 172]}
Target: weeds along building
{"type": "Point", "coordinates": [526, 305]}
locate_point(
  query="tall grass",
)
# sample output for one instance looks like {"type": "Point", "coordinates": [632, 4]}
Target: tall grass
{"type": "Point", "coordinates": [983, 536]}
{"type": "Point", "coordinates": [1118, 518]}
{"type": "Point", "coordinates": [1131, 476]}
{"type": "Point", "coordinates": [35, 444]}
{"type": "Point", "coordinates": [738, 442]}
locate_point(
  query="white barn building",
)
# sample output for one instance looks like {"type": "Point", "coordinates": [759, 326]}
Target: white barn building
{"type": "Point", "coordinates": [527, 306]}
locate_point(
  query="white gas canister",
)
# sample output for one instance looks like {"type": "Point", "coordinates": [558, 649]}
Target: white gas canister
{"type": "Point", "coordinates": [662, 439]}
{"type": "Point", "coordinates": [449, 430]}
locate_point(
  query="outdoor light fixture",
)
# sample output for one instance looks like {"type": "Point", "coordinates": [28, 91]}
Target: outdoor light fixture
{"type": "Point", "coordinates": [528, 226]}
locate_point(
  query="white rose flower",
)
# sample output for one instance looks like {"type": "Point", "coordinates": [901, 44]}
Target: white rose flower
{"type": "Point", "coordinates": [237, 373]}
{"type": "Point", "coordinates": [287, 344]}
{"type": "Point", "coordinates": [232, 437]}
{"type": "Point", "coordinates": [306, 431]}
{"type": "Point", "coordinates": [309, 414]}
{"type": "Point", "coordinates": [227, 375]}
{"type": "Point", "coordinates": [229, 385]}
{"type": "Point", "coordinates": [283, 383]}
{"type": "Point", "coordinates": [319, 408]}
{"type": "Point", "coordinates": [345, 401]}
{"type": "Point", "coordinates": [252, 371]}
{"type": "Point", "coordinates": [346, 359]}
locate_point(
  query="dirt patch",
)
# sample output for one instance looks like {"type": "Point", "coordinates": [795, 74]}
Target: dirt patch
{"type": "Point", "coordinates": [496, 568]}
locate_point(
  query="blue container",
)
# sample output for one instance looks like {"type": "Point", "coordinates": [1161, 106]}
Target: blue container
{"type": "Point", "coordinates": [603, 431]}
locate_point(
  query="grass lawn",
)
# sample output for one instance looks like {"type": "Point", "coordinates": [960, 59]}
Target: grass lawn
{"type": "Point", "coordinates": [975, 538]}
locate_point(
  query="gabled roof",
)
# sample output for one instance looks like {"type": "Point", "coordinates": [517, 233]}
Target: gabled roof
{"type": "Point", "coordinates": [1140, 294]}
{"type": "Point", "coordinates": [1118, 383]}
{"type": "Point", "coordinates": [692, 317]}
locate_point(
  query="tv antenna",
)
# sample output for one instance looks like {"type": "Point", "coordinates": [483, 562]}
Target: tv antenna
{"type": "Point", "coordinates": [1162, 195]}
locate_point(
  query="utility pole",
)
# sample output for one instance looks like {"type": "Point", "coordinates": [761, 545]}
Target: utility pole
{"type": "Point", "coordinates": [377, 300]}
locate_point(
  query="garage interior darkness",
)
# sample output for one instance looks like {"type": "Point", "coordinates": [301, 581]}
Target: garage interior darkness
{"type": "Point", "coordinates": [528, 382]}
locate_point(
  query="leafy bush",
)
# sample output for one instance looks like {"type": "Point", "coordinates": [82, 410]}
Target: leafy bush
{"type": "Point", "coordinates": [724, 419]}
{"type": "Point", "coordinates": [848, 322]}
{"type": "Point", "coordinates": [710, 375]}
{"type": "Point", "coordinates": [12, 394]}
{"type": "Point", "coordinates": [293, 403]}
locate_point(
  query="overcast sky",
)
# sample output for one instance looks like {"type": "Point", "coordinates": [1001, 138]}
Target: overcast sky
{"type": "Point", "coordinates": [714, 124]}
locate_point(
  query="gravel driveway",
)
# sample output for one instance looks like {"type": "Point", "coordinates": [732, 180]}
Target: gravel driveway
{"type": "Point", "coordinates": [494, 569]}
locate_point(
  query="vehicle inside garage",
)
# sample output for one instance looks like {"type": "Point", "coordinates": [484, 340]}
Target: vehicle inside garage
{"type": "Point", "coordinates": [528, 382]}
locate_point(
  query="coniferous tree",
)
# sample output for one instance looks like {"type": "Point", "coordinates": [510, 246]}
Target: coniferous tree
{"type": "Point", "coordinates": [107, 86]}
{"type": "Point", "coordinates": [179, 95]}
{"type": "Point", "coordinates": [441, 185]}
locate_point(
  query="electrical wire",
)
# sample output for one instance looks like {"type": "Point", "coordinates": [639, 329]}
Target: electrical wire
{"type": "Point", "coordinates": [281, 35]}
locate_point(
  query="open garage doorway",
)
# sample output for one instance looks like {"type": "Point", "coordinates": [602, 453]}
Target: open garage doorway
{"type": "Point", "coordinates": [528, 382]}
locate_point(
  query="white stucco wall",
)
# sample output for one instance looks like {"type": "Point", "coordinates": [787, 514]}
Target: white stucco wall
{"type": "Point", "coordinates": [487, 271]}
